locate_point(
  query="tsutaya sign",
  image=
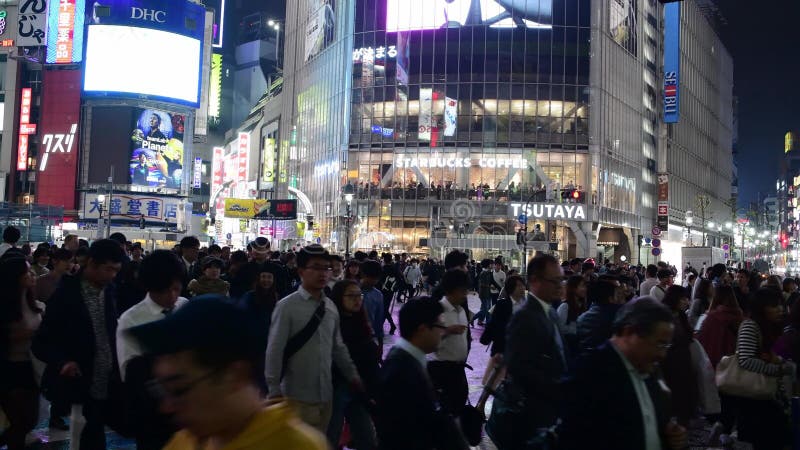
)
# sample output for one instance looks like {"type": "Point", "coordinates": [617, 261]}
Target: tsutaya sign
{"type": "Point", "coordinates": [405, 162]}
{"type": "Point", "coordinates": [553, 211]}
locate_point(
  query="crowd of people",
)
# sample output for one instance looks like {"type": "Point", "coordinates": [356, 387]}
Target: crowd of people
{"type": "Point", "coordinates": [211, 348]}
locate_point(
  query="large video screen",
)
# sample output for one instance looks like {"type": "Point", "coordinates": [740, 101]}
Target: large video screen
{"type": "Point", "coordinates": [157, 149]}
{"type": "Point", "coordinates": [409, 15]}
{"type": "Point", "coordinates": [132, 61]}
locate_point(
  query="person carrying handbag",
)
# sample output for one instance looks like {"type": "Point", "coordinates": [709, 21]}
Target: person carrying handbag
{"type": "Point", "coordinates": [760, 397]}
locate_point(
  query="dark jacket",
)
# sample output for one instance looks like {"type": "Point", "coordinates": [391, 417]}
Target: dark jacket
{"type": "Point", "coordinates": [408, 416]}
{"type": "Point", "coordinates": [601, 409]}
{"type": "Point", "coordinates": [495, 332]}
{"type": "Point", "coordinates": [66, 334]}
{"type": "Point", "coordinates": [534, 362]}
{"type": "Point", "coordinates": [594, 326]}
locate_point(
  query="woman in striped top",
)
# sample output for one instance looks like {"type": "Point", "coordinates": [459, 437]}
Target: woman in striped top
{"type": "Point", "coordinates": [762, 422]}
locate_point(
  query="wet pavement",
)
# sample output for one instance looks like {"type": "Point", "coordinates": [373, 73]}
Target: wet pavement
{"type": "Point", "coordinates": [478, 360]}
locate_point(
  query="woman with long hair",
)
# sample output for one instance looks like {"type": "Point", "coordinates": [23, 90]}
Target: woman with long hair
{"type": "Point", "coordinates": [574, 305]}
{"type": "Point", "coordinates": [20, 317]}
{"type": "Point", "coordinates": [703, 294]}
{"type": "Point", "coordinates": [677, 365]}
{"type": "Point", "coordinates": [358, 337]}
{"type": "Point", "coordinates": [259, 304]}
{"type": "Point", "coordinates": [717, 335]}
{"type": "Point", "coordinates": [352, 270]}
{"type": "Point", "coordinates": [762, 422]}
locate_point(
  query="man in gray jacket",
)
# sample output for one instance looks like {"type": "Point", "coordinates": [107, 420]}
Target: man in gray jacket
{"type": "Point", "coordinates": [305, 341]}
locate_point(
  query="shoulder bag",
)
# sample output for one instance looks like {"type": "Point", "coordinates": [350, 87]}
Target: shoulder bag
{"type": "Point", "coordinates": [296, 342]}
{"type": "Point", "coordinates": [733, 379]}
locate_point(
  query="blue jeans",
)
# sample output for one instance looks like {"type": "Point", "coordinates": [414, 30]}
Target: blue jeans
{"type": "Point", "coordinates": [345, 406]}
{"type": "Point", "coordinates": [483, 314]}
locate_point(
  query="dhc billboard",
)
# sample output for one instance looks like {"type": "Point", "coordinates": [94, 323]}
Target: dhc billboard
{"type": "Point", "coordinates": [180, 17]}
{"type": "Point", "coordinates": [672, 62]}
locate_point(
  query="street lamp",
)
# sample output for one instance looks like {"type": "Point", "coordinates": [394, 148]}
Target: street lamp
{"type": "Point", "coordinates": [276, 26]}
{"type": "Point", "coordinates": [101, 201]}
{"type": "Point", "coordinates": [348, 198]}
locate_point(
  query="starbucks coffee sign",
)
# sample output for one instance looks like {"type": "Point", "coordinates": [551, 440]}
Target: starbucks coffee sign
{"type": "Point", "coordinates": [549, 211]}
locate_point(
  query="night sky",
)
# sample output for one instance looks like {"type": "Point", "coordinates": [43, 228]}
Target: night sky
{"type": "Point", "coordinates": [763, 40]}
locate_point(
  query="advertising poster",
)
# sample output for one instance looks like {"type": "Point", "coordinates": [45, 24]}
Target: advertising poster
{"type": "Point", "coordinates": [672, 62]}
{"type": "Point", "coordinates": [157, 149]}
{"type": "Point", "coordinates": [450, 115]}
{"type": "Point", "coordinates": [268, 163]}
{"type": "Point", "coordinates": [622, 23]}
{"type": "Point", "coordinates": [32, 22]}
{"type": "Point", "coordinates": [320, 26]}
{"type": "Point", "coordinates": [403, 58]}
{"type": "Point", "coordinates": [65, 31]}
{"type": "Point", "coordinates": [409, 15]}
{"type": "Point", "coordinates": [425, 113]}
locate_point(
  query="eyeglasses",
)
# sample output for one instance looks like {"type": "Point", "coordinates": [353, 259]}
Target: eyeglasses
{"type": "Point", "coordinates": [160, 391]}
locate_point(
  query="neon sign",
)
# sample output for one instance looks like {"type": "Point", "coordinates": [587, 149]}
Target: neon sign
{"type": "Point", "coordinates": [24, 119]}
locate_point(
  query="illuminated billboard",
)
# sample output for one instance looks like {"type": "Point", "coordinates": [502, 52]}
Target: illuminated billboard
{"type": "Point", "coordinates": [65, 31]}
{"type": "Point", "coordinates": [157, 149]}
{"type": "Point", "coordinates": [58, 135]}
{"type": "Point", "coordinates": [117, 63]}
{"type": "Point", "coordinates": [409, 15]}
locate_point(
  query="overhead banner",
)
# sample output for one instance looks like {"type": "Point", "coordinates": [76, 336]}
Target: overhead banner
{"type": "Point", "coordinates": [450, 115]}
{"type": "Point", "coordinates": [124, 206]}
{"type": "Point", "coordinates": [425, 113]}
{"type": "Point", "coordinates": [672, 62]}
{"type": "Point", "coordinates": [249, 208]}
{"type": "Point", "coordinates": [32, 23]}
{"type": "Point", "coordinates": [65, 31]}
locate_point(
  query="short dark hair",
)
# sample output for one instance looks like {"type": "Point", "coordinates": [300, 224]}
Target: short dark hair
{"type": "Point", "coordinates": [370, 268]}
{"type": "Point", "coordinates": [189, 242]}
{"type": "Point", "coordinates": [672, 298]}
{"type": "Point", "coordinates": [106, 251]}
{"type": "Point", "coordinates": [744, 272]}
{"type": "Point", "coordinates": [538, 265]}
{"type": "Point", "coordinates": [575, 261]}
{"type": "Point", "coordinates": [239, 256]}
{"type": "Point", "coordinates": [118, 238]}
{"type": "Point", "coordinates": [452, 279]}
{"type": "Point", "coordinates": [61, 254]}
{"type": "Point", "coordinates": [11, 235]}
{"type": "Point", "coordinates": [39, 252]}
{"type": "Point", "coordinates": [214, 248]}
{"type": "Point", "coordinates": [311, 251]}
{"type": "Point", "coordinates": [600, 292]}
{"type": "Point", "coordinates": [486, 263]}
{"type": "Point", "coordinates": [456, 258]}
{"type": "Point", "coordinates": [642, 315]}
{"type": "Point", "coordinates": [652, 270]}
{"type": "Point", "coordinates": [337, 258]}
{"type": "Point", "coordinates": [587, 266]}
{"type": "Point", "coordinates": [511, 284]}
{"type": "Point", "coordinates": [160, 269]}
{"type": "Point", "coordinates": [418, 311]}
{"type": "Point", "coordinates": [210, 261]}
{"type": "Point", "coordinates": [665, 273]}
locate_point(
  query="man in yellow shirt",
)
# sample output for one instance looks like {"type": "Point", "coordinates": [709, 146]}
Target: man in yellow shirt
{"type": "Point", "coordinates": [206, 379]}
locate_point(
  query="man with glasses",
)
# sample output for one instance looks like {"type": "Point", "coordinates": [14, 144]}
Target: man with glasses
{"type": "Point", "coordinates": [629, 409]}
{"type": "Point", "coordinates": [407, 414]}
{"type": "Point", "coordinates": [305, 341]}
{"type": "Point", "coordinates": [535, 361]}
{"type": "Point", "coordinates": [205, 360]}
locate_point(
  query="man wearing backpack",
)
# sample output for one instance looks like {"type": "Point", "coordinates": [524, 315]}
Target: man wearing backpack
{"type": "Point", "coordinates": [305, 342]}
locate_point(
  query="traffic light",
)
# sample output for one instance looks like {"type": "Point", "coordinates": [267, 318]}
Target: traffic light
{"type": "Point", "coordinates": [784, 240]}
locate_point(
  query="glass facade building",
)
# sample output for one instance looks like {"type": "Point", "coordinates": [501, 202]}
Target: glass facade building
{"type": "Point", "coordinates": [448, 117]}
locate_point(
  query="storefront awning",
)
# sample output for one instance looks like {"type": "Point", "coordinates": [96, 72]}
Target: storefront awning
{"type": "Point", "coordinates": [609, 237]}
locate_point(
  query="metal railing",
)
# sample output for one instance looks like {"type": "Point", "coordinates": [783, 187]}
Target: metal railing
{"type": "Point", "coordinates": [35, 222]}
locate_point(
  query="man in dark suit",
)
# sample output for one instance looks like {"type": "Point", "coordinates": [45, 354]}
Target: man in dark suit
{"type": "Point", "coordinates": [614, 400]}
{"type": "Point", "coordinates": [77, 342]}
{"type": "Point", "coordinates": [408, 417]}
{"type": "Point", "coordinates": [535, 360]}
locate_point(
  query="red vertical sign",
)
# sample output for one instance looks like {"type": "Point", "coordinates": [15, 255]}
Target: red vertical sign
{"type": "Point", "coordinates": [218, 176]}
{"type": "Point", "coordinates": [24, 118]}
{"type": "Point", "coordinates": [244, 154]}
{"type": "Point", "coordinates": [58, 136]}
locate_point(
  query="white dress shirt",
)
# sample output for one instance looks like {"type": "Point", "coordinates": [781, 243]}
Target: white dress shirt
{"type": "Point", "coordinates": [412, 350]}
{"type": "Point", "coordinates": [145, 311]}
{"type": "Point", "coordinates": [453, 346]}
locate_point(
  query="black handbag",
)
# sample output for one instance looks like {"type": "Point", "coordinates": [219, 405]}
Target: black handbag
{"type": "Point", "coordinates": [472, 422]}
